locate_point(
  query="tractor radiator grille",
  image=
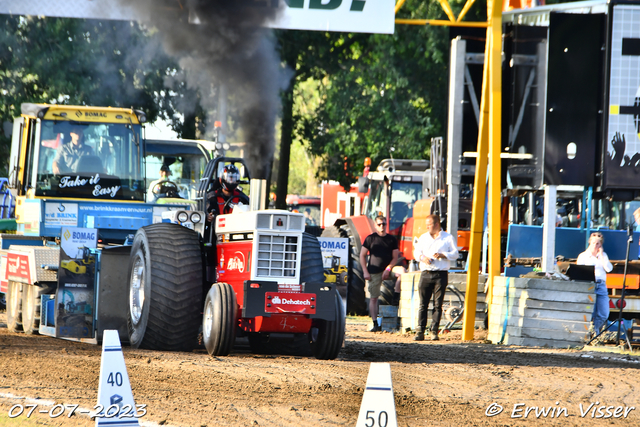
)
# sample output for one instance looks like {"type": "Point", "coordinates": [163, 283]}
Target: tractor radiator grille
{"type": "Point", "coordinates": [277, 256]}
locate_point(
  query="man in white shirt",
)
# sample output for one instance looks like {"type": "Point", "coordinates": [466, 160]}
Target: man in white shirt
{"type": "Point", "coordinates": [596, 256]}
{"type": "Point", "coordinates": [434, 249]}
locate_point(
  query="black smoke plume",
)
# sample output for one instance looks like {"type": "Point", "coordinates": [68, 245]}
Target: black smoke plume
{"type": "Point", "coordinates": [225, 42]}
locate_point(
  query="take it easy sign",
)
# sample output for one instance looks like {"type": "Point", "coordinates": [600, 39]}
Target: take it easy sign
{"type": "Point", "coordinates": [353, 16]}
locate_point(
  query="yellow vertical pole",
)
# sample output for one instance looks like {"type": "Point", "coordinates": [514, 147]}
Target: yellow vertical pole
{"type": "Point", "coordinates": [487, 131]}
{"type": "Point", "coordinates": [477, 211]}
{"type": "Point", "coordinates": [495, 147]}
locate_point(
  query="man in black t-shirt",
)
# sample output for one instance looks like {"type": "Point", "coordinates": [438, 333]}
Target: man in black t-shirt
{"type": "Point", "coordinates": [383, 255]}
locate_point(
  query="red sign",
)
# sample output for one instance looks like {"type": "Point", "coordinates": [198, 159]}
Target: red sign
{"type": "Point", "coordinates": [18, 267]}
{"type": "Point", "coordinates": [234, 264]}
{"type": "Point", "coordinates": [3, 273]}
{"type": "Point", "coordinates": [221, 222]}
{"type": "Point", "coordinates": [280, 302]}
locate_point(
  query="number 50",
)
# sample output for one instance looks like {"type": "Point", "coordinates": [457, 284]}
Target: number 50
{"type": "Point", "coordinates": [383, 419]}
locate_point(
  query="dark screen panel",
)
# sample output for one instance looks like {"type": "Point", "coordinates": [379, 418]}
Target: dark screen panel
{"type": "Point", "coordinates": [523, 84]}
{"type": "Point", "coordinates": [573, 97]}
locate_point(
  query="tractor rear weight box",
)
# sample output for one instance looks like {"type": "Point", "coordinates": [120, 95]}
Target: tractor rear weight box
{"type": "Point", "coordinates": [263, 299]}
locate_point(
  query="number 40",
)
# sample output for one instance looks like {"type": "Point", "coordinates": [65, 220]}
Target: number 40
{"type": "Point", "coordinates": [383, 419]}
{"type": "Point", "coordinates": [115, 379]}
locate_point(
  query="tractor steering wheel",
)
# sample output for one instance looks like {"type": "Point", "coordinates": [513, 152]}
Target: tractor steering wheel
{"type": "Point", "coordinates": [166, 188]}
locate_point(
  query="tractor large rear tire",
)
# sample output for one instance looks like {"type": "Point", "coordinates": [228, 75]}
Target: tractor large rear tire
{"type": "Point", "coordinates": [219, 320]}
{"type": "Point", "coordinates": [32, 306]}
{"type": "Point", "coordinates": [387, 289]}
{"type": "Point", "coordinates": [14, 306]}
{"type": "Point", "coordinates": [356, 297]}
{"type": "Point", "coordinates": [165, 288]}
{"type": "Point", "coordinates": [357, 301]}
{"type": "Point", "coordinates": [327, 336]}
{"type": "Point", "coordinates": [311, 268]}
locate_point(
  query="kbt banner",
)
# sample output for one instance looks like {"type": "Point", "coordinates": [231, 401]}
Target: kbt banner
{"type": "Point", "coordinates": [353, 16]}
{"type": "Point", "coordinates": [357, 16]}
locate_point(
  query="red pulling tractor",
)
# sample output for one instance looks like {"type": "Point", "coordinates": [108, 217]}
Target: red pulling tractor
{"type": "Point", "coordinates": [259, 275]}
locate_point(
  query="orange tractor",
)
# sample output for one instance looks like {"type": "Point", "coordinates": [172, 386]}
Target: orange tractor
{"type": "Point", "coordinates": [392, 190]}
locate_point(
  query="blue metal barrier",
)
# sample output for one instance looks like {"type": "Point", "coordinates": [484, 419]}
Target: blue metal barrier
{"type": "Point", "coordinates": [525, 241]}
{"type": "Point", "coordinates": [8, 206]}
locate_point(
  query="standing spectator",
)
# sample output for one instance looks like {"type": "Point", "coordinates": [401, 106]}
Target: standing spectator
{"type": "Point", "coordinates": [434, 249]}
{"type": "Point", "coordinates": [384, 252]}
{"type": "Point", "coordinates": [596, 256]}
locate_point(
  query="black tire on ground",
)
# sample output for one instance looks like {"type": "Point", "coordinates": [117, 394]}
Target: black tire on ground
{"type": "Point", "coordinates": [165, 288]}
{"type": "Point", "coordinates": [219, 320]}
{"type": "Point", "coordinates": [357, 301]}
{"type": "Point", "coordinates": [387, 289]}
{"type": "Point", "coordinates": [32, 305]}
{"type": "Point", "coordinates": [14, 306]}
{"type": "Point", "coordinates": [355, 295]}
{"type": "Point", "coordinates": [327, 336]}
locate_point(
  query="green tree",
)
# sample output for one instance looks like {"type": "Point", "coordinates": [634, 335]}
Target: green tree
{"type": "Point", "coordinates": [381, 95]}
{"type": "Point", "coordinates": [310, 55]}
{"type": "Point", "coordinates": [81, 62]}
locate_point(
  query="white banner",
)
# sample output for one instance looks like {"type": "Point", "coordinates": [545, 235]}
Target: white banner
{"type": "Point", "coordinates": [60, 214]}
{"type": "Point", "coordinates": [87, 9]}
{"type": "Point", "coordinates": [357, 16]}
{"type": "Point", "coordinates": [353, 16]}
{"type": "Point", "coordinates": [337, 247]}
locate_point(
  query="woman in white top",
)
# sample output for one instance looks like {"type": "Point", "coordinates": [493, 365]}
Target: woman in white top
{"type": "Point", "coordinates": [596, 256]}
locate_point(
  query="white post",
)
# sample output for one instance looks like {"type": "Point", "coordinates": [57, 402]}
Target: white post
{"type": "Point", "coordinates": [454, 132]}
{"type": "Point", "coordinates": [258, 192]}
{"type": "Point", "coordinates": [549, 228]}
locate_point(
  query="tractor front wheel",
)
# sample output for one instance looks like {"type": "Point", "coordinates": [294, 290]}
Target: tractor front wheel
{"type": "Point", "coordinates": [32, 306]}
{"type": "Point", "coordinates": [14, 306]}
{"type": "Point", "coordinates": [219, 319]}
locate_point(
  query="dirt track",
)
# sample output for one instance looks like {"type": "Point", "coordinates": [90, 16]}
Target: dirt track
{"type": "Point", "coordinates": [442, 383]}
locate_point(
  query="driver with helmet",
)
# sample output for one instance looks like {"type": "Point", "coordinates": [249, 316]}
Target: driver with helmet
{"type": "Point", "coordinates": [227, 195]}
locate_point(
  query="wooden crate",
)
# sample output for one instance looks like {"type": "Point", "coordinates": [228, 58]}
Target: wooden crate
{"type": "Point", "coordinates": [540, 312]}
{"type": "Point", "coordinates": [410, 299]}
{"type": "Point", "coordinates": [388, 318]}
